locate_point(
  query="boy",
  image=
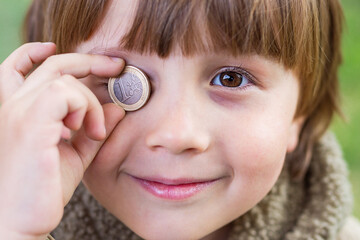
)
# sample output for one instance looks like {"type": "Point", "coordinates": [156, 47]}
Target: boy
{"type": "Point", "coordinates": [242, 91]}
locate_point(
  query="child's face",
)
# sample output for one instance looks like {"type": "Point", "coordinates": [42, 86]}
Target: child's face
{"type": "Point", "coordinates": [215, 150]}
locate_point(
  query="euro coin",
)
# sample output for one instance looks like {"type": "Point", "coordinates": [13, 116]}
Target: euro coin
{"type": "Point", "coordinates": [131, 89]}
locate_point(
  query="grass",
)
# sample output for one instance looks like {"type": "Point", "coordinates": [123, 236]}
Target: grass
{"type": "Point", "coordinates": [348, 133]}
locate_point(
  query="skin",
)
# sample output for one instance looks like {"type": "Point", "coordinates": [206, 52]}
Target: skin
{"type": "Point", "coordinates": [191, 128]}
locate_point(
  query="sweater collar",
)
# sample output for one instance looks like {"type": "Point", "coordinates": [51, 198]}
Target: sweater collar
{"type": "Point", "coordinates": [314, 208]}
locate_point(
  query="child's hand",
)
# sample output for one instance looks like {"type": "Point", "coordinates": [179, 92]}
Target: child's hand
{"type": "Point", "coordinates": [39, 170]}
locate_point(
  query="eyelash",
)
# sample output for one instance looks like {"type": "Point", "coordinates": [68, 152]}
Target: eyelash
{"type": "Point", "coordinates": [105, 84]}
{"type": "Point", "coordinates": [238, 70]}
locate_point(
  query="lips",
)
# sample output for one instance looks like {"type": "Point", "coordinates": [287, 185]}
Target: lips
{"type": "Point", "coordinates": [177, 189]}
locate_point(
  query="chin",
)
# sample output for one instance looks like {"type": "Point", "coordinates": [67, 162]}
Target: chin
{"type": "Point", "coordinates": [165, 231]}
{"type": "Point", "coordinates": [166, 235]}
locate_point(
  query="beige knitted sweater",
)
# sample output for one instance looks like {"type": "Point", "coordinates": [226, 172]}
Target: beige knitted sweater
{"type": "Point", "coordinates": [316, 208]}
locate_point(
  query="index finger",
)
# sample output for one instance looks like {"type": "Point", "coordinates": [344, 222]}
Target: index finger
{"type": "Point", "coordinates": [78, 65]}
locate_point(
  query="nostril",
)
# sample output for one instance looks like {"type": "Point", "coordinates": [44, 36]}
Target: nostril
{"type": "Point", "coordinates": [177, 142]}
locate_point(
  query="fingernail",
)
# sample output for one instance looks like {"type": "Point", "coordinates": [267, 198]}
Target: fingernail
{"type": "Point", "coordinates": [104, 129]}
{"type": "Point", "coordinates": [47, 43]}
{"type": "Point", "coordinates": [115, 59]}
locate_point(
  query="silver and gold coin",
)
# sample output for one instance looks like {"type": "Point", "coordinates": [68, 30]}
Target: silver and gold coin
{"type": "Point", "coordinates": [131, 89]}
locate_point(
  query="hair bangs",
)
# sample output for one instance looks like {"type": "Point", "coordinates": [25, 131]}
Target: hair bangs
{"type": "Point", "coordinates": [236, 26]}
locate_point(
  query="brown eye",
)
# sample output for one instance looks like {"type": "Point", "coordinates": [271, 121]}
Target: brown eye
{"type": "Point", "coordinates": [231, 79]}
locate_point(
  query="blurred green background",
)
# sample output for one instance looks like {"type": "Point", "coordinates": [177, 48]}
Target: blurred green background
{"type": "Point", "coordinates": [348, 133]}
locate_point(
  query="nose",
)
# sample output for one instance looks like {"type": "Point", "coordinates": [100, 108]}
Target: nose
{"type": "Point", "coordinates": [179, 129]}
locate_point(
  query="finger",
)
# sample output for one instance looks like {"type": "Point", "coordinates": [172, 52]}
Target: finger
{"type": "Point", "coordinates": [78, 65]}
{"type": "Point", "coordinates": [14, 68]}
{"type": "Point", "coordinates": [93, 122]}
{"type": "Point", "coordinates": [67, 100]}
{"type": "Point", "coordinates": [65, 133]}
{"type": "Point", "coordinates": [25, 57]}
{"type": "Point", "coordinates": [77, 155]}
{"type": "Point", "coordinates": [88, 148]}
{"type": "Point", "coordinates": [75, 64]}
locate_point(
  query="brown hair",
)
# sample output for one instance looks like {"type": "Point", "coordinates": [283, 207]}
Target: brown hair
{"type": "Point", "coordinates": [303, 35]}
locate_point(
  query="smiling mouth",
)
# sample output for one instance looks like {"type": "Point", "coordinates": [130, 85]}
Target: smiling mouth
{"type": "Point", "coordinates": [179, 189]}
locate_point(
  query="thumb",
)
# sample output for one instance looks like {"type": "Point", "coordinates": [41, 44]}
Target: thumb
{"type": "Point", "coordinates": [86, 147]}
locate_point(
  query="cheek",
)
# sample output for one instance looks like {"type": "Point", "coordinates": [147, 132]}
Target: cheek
{"type": "Point", "coordinates": [256, 155]}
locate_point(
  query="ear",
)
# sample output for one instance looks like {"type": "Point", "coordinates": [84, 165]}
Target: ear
{"type": "Point", "coordinates": [294, 133]}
